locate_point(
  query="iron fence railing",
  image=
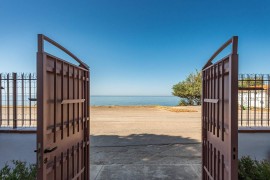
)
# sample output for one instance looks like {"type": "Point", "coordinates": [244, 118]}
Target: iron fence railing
{"type": "Point", "coordinates": [18, 100]}
{"type": "Point", "coordinates": [253, 100]}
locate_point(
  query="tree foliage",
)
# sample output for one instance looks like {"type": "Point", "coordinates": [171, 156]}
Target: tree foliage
{"type": "Point", "coordinates": [245, 82]}
{"type": "Point", "coordinates": [189, 89]}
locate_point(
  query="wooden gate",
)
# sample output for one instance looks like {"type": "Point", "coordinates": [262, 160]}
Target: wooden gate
{"type": "Point", "coordinates": [219, 116]}
{"type": "Point", "coordinates": [62, 116]}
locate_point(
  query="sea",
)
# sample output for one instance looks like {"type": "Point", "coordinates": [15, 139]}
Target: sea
{"type": "Point", "coordinates": [134, 100]}
{"type": "Point", "coordinates": [110, 100]}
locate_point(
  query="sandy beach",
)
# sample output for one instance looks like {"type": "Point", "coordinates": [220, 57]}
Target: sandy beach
{"type": "Point", "coordinates": [159, 120]}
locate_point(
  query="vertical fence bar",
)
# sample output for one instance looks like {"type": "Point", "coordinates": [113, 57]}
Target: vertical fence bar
{"type": "Point", "coordinates": [30, 101]}
{"type": "Point", "coordinates": [255, 100]}
{"type": "Point", "coordinates": [248, 102]}
{"type": "Point", "coordinates": [242, 105]}
{"type": "Point", "coordinates": [268, 94]}
{"type": "Point", "coordinates": [8, 117]}
{"type": "Point", "coordinates": [262, 104]}
{"type": "Point", "coordinates": [1, 88]}
{"type": "Point", "coordinates": [22, 105]}
{"type": "Point", "coordinates": [14, 98]}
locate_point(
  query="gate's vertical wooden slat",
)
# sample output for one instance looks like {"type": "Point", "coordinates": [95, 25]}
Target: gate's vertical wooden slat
{"type": "Point", "coordinates": [22, 81]}
{"type": "Point", "coordinates": [82, 158]}
{"type": "Point", "coordinates": [54, 167]}
{"type": "Point", "coordinates": [41, 115]}
{"type": "Point", "coordinates": [68, 165]}
{"type": "Point", "coordinates": [78, 158]}
{"type": "Point", "coordinates": [73, 106]}
{"type": "Point", "coordinates": [14, 98]}
{"type": "Point", "coordinates": [68, 96]}
{"type": "Point", "coordinates": [208, 157]}
{"type": "Point", "coordinates": [1, 88]}
{"type": "Point", "coordinates": [62, 166]}
{"type": "Point", "coordinates": [211, 97]}
{"type": "Point", "coordinates": [83, 95]}
{"type": "Point", "coordinates": [214, 89]}
{"type": "Point", "coordinates": [55, 100]}
{"type": "Point", "coordinates": [8, 111]}
{"type": "Point", "coordinates": [62, 98]}
{"type": "Point", "coordinates": [215, 163]}
{"type": "Point", "coordinates": [30, 97]}
{"type": "Point", "coordinates": [211, 159]}
{"type": "Point", "coordinates": [218, 97]}
{"type": "Point", "coordinates": [203, 122]}
{"type": "Point", "coordinates": [78, 97]}
{"type": "Point", "coordinates": [218, 174]}
{"type": "Point", "coordinates": [222, 100]}
{"type": "Point", "coordinates": [222, 167]}
{"type": "Point", "coordinates": [88, 125]}
{"type": "Point", "coordinates": [73, 162]}
{"type": "Point", "coordinates": [234, 111]}
{"type": "Point", "coordinates": [207, 96]}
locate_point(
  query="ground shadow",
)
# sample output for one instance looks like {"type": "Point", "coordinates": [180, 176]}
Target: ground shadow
{"type": "Point", "coordinates": [144, 156]}
{"type": "Point", "coordinates": [138, 139]}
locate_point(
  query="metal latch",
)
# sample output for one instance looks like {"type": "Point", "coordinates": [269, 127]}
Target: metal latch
{"type": "Point", "coordinates": [49, 150]}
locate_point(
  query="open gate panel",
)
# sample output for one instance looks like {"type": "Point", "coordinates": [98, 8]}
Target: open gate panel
{"type": "Point", "coordinates": [63, 119]}
{"type": "Point", "coordinates": [219, 117]}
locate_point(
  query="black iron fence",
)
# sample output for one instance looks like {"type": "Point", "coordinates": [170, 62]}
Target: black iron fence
{"type": "Point", "coordinates": [18, 100]}
{"type": "Point", "coordinates": [253, 100]}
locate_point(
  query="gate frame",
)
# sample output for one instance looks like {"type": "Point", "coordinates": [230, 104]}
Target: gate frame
{"type": "Point", "coordinates": [232, 109]}
{"type": "Point", "coordinates": [41, 174]}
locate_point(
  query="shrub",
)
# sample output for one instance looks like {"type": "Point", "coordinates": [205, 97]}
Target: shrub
{"type": "Point", "coordinates": [249, 169]}
{"type": "Point", "coordinates": [189, 89]}
{"type": "Point", "coordinates": [20, 171]}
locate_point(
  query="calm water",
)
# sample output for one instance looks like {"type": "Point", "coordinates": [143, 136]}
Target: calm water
{"type": "Point", "coordinates": [113, 100]}
{"type": "Point", "coordinates": [134, 100]}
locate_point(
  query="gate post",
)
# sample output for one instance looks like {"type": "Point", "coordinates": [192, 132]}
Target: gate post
{"type": "Point", "coordinates": [14, 77]}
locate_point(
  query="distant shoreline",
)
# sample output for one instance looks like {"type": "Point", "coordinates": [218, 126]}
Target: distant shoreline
{"type": "Point", "coordinates": [167, 108]}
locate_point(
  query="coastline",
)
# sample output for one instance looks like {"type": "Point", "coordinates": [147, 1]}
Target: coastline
{"type": "Point", "coordinates": [167, 108]}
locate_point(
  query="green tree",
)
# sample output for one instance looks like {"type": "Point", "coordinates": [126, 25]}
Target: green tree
{"type": "Point", "coordinates": [189, 89]}
{"type": "Point", "coordinates": [249, 81]}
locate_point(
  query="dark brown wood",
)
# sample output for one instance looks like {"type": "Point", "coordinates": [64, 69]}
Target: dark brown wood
{"type": "Point", "coordinates": [219, 115]}
{"type": "Point", "coordinates": [60, 102]}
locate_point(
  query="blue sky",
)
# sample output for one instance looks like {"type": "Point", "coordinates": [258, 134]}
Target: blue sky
{"type": "Point", "coordinates": [136, 47]}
